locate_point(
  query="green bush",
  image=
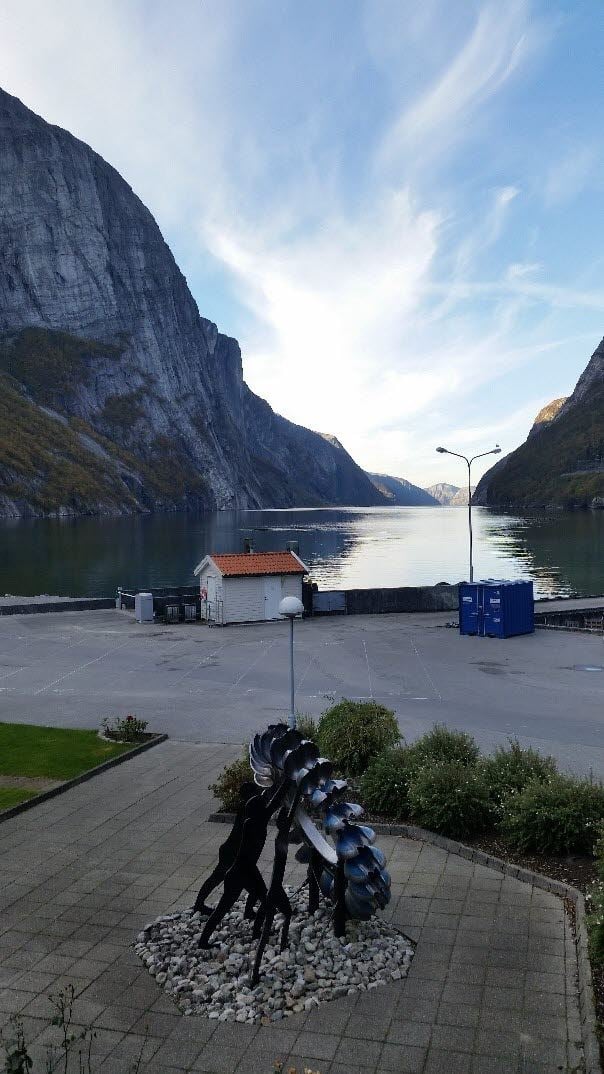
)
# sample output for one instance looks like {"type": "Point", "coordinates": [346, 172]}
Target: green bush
{"type": "Point", "coordinates": [127, 729]}
{"type": "Point", "coordinates": [442, 746]}
{"type": "Point", "coordinates": [227, 787]}
{"type": "Point", "coordinates": [308, 727]}
{"type": "Point", "coordinates": [594, 905]}
{"type": "Point", "coordinates": [511, 768]}
{"type": "Point", "coordinates": [352, 733]}
{"type": "Point", "coordinates": [559, 817]}
{"type": "Point", "coordinates": [385, 784]}
{"type": "Point", "coordinates": [451, 798]}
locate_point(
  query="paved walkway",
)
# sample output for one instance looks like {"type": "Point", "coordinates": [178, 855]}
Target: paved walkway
{"type": "Point", "coordinates": [491, 990]}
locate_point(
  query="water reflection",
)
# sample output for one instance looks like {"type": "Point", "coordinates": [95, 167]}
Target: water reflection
{"type": "Point", "coordinates": [354, 547]}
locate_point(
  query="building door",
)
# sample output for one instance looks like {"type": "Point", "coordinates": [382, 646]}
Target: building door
{"type": "Point", "coordinates": [272, 596]}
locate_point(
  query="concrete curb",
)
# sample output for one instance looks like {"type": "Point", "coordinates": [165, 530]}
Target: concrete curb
{"type": "Point", "coordinates": [589, 1035]}
{"type": "Point", "coordinates": [44, 796]}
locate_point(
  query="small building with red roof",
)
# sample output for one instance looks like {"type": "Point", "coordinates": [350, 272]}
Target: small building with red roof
{"type": "Point", "coordinates": [247, 587]}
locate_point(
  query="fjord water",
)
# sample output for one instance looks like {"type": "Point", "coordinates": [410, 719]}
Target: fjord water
{"type": "Point", "coordinates": [344, 547]}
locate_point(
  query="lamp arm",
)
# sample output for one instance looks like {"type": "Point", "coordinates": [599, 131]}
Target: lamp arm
{"type": "Point", "coordinates": [481, 456]}
{"type": "Point", "coordinates": [458, 456]}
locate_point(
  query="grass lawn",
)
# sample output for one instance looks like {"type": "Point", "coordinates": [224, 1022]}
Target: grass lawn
{"type": "Point", "coordinates": [10, 796]}
{"type": "Point", "coordinates": [51, 752]}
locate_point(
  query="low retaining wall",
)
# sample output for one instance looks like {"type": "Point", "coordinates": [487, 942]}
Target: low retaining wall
{"type": "Point", "coordinates": [587, 620]}
{"type": "Point", "coordinates": [73, 604]}
{"type": "Point", "coordinates": [435, 598]}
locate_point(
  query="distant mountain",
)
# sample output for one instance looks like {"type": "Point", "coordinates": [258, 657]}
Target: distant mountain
{"type": "Point", "coordinates": [401, 493]}
{"type": "Point", "coordinates": [460, 499]}
{"type": "Point", "coordinates": [116, 395]}
{"type": "Point", "coordinates": [561, 463]}
{"type": "Point", "coordinates": [443, 493]}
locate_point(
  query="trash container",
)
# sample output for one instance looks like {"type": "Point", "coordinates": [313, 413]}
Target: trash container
{"type": "Point", "coordinates": [496, 608]}
{"type": "Point", "coordinates": [143, 607]}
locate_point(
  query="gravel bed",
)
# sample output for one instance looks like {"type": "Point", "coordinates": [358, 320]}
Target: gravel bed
{"type": "Point", "coordinates": [315, 967]}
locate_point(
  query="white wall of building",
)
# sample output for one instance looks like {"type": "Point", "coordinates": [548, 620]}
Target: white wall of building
{"type": "Point", "coordinates": [244, 597]}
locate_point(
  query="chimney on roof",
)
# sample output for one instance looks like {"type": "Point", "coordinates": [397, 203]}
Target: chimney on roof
{"type": "Point", "coordinates": [293, 546]}
{"type": "Point", "coordinates": [248, 545]}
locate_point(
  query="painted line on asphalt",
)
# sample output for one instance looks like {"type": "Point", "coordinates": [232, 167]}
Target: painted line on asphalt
{"type": "Point", "coordinates": [253, 664]}
{"type": "Point", "coordinates": [80, 667]}
{"type": "Point", "coordinates": [425, 670]}
{"type": "Point", "coordinates": [368, 669]}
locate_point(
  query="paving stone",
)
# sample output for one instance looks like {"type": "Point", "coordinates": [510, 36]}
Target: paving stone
{"type": "Point", "coordinates": [457, 1038]}
{"type": "Point", "coordinates": [404, 1060]}
{"type": "Point", "coordinates": [458, 1014]}
{"type": "Point", "coordinates": [317, 1045]}
{"type": "Point", "coordinates": [447, 1062]}
{"type": "Point", "coordinates": [223, 1061]}
{"type": "Point", "coordinates": [352, 1068]}
{"type": "Point", "coordinates": [358, 1051]}
{"type": "Point", "coordinates": [412, 1034]}
{"type": "Point", "coordinates": [156, 1025]}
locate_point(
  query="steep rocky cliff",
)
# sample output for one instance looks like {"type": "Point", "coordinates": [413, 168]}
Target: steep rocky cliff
{"type": "Point", "coordinates": [115, 394]}
{"type": "Point", "coordinates": [561, 463]}
{"type": "Point", "coordinates": [402, 493]}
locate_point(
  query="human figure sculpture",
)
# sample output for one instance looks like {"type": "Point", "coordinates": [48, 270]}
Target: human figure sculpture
{"type": "Point", "coordinates": [243, 874]}
{"type": "Point", "coordinates": [226, 854]}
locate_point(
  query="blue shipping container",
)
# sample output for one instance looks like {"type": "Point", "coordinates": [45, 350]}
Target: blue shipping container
{"type": "Point", "coordinates": [496, 608]}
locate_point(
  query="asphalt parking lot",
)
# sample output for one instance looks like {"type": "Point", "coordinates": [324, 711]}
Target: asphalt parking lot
{"type": "Point", "coordinates": [204, 684]}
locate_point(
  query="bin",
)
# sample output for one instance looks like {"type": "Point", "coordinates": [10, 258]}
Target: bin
{"type": "Point", "coordinates": [143, 607]}
{"type": "Point", "coordinates": [496, 608]}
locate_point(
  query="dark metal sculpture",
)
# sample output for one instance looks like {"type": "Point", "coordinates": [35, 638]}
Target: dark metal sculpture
{"type": "Point", "coordinates": [289, 777]}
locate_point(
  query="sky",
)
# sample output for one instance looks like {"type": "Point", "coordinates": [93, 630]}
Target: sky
{"type": "Point", "coordinates": [394, 207]}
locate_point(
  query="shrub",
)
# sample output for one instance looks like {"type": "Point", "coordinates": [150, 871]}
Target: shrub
{"type": "Point", "coordinates": [451, 798]}
{"type": "Point", "coordinates": [442, 746]}
{"type": "Point", "coordinates": [308, 727]}
{"type": "Point", "coordinates": [227, 787]}
{"type": "Point", "coordinates": [559, 817]}
{"type": "Point", "coordinates": [594, 905]}
{"type": "Point", "coordinates": [385, 784]}
{"type": "Point", "coordinates": [352, 733]}
{"type": "Point", "coordinates": [511, 768]}
{"type": "Point", "coordinates": [128, 729]}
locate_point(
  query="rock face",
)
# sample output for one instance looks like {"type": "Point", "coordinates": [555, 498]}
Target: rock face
{"type": "Point", "coordinates": [461, 497]}
{"type": "Point", "coordinates": [547, 414]}
{"type": "Point", "coordinates": [115, 394]}
{"type": "Point", "coordinates": [401, 493]}
{"type": "Point", "coordinates": [443, 492]}
{"type": "Point", "coordinates": [561, 463]}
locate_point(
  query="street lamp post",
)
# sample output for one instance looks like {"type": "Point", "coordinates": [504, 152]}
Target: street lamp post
{"type": "Point", "coordinates": [290, 607]}
{"type": "Point", "coordinates": [494, 451]}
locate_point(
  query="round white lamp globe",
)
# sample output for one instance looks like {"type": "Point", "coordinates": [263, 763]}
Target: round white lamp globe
{"type": "Point", "coordinates": [290, 607]}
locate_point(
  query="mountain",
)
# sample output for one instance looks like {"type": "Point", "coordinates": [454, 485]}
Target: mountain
{"type": "Point", "coordinates": [561, 463]}
{"type": "Point", "coordinates": [547, 414]}
{"type": "Point", "coordinates": [460, 499]}
{"type": "Point", "coordinates": [116, 395]}
{"type": "Point", "coordinates": [443, 493]}
{"type": "Point", "coordinates": [401, 493]}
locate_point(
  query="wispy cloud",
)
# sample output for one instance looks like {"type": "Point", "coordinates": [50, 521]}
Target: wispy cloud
{"type": "Point", "coordinates": [572, 174]}
{"type": "Point", "coordinates": [498, 43]}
